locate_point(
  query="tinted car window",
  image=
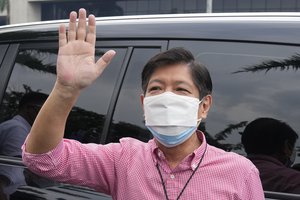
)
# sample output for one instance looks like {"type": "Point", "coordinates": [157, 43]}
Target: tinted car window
{"type": "Point", "coordinates": [250, 81]}
{"type": "Point", "coordinates": [128, 120]}
{"type": "Point", "coordinates": [34, 70]}
{"type": "Point", "coordinates": [2, 52]}
{"type": "Point", "coordinates": [87, 117]}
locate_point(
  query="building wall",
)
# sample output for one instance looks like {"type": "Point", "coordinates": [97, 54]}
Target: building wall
{"type": "Point", "coordinates": [3, 17]}
{"type": "Point", "coordinates": [21, 11]}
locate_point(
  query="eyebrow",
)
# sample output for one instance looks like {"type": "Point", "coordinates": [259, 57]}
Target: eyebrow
{"type": "Point", "coordinates": [176, 82]}
{"type": "Point", "coordinates": [156, 81]}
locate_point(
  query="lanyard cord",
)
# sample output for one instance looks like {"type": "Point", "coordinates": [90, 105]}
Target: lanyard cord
{"type": "Point", "coordinates": [163, 183]}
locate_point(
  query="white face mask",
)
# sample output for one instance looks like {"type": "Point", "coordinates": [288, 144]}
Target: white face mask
{"type": "Point", "coordinates": [171, 118]}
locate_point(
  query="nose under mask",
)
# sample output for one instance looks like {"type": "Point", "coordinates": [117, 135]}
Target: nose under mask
{"type": "Point", "coordinates": [171, 118]}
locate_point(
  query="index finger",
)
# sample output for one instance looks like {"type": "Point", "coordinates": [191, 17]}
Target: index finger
{"type": "Point", "coordinates": [72, 26]}
{"type": "Point", "coordinates": [62, 35]}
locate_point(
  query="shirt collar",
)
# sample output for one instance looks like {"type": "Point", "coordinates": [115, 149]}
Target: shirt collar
{"type": "Point", "coordinates": [193, 159]}
{"type": "Point", "coordinates": [200, 151]}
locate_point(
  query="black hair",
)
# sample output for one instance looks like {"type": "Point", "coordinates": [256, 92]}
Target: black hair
{"type": "Point", "coordinates": [267, 136]}
{"type": "Point", "coordinates": [178, 55]}
{"type": "Point", "coordinates": [32, 98]}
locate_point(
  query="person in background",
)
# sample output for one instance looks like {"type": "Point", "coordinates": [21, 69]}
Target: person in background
{"type": "Point", "coordinates": [13, 133]}
{"type": "Point", "coordinates": [270, 145]}
{"type": "Point", "coordinates": [177, 164]}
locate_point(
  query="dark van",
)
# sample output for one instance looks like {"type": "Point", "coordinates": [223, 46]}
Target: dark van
{"type": "Point", "coordinates": [253, 60]}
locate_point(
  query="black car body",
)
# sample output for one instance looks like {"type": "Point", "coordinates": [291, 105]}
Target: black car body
{"type": "Point", "coordinates": [238, 49]}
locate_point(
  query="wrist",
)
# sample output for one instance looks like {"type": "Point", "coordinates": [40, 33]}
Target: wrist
{"type": "Point", "coordinates": [66, 92]}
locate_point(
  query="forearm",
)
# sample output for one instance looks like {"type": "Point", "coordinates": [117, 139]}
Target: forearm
{"type": "Point", "coordinates": [76, 69]}
{"type": "Point", "coordinates": [71, 162]}
{"type": "Point", "coordinates": [48, 128]}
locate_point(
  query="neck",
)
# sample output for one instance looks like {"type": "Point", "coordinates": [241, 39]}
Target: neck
{"type": "Point", "coordinates": [175, 155]}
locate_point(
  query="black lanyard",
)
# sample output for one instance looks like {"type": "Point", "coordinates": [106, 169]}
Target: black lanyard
{"type": "Point", "coordinates": [163, 183]}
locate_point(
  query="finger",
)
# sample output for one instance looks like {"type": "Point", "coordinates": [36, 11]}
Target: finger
{"type": "Point", "coordinates": [105, 60]}
{"type": "Point", "coordinates": [62, 35]}
{"type": "Point", "coordinates": [72, 26]}
{"type": "Point", "coordinates": [91, 36]}
{"type": "Point", "coordinates": [81, 31]}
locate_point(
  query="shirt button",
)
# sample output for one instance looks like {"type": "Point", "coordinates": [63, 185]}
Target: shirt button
{"type": "Point", "coordinates": [172, 176]}
{"type": "Point", "coordinates": [194, 165]}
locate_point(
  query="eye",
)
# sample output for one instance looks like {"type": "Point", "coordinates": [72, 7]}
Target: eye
{"type": "Point", "coordinates": [183, 90]}
{"type": "Point", "coordinates": [154, 88]}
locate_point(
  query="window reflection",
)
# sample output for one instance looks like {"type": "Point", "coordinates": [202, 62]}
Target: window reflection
{"type": "Point", "coordinates": [35, 70]}
{"type": "Point", "coordinates": [128, 120]}
{"type": "Point", "coordinates": [86, 120]}
{"type": "Point", "coordinates": [239, 98]}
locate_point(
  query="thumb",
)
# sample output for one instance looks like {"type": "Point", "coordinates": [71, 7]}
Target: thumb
{"type": "Point", "coordinates": [105, 60]}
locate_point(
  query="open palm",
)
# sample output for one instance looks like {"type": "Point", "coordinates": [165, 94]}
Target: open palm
{"type": "Point", "coordinates": [76, 66]}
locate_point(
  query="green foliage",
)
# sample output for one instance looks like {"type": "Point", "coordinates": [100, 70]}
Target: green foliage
{"type": "Point", "coordinates": [284, 64]}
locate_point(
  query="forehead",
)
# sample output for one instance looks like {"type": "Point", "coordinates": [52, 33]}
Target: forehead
{"type": "Point", "coordinates": [175, 71]}
{"type": "Point", "coordinates": [174, 75]}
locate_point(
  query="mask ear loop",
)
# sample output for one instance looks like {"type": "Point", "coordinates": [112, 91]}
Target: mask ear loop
{"type": "Point", "coordinates": [200, 119]}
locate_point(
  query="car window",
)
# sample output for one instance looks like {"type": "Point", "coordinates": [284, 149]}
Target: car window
{"type": "Point", "coordinates": [86, 120]}
{"type": "Point", "coordinates": [35, 70]}
{"type": "Point", "coordinates": [2, 52]}
{"type": "Point", "coordinates": [250, 81]}
{"type": "Point", "coordinates": [128, 118]}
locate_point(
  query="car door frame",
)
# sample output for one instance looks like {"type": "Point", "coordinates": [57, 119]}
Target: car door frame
{"type": "Point", "coordinates": [131, 45]}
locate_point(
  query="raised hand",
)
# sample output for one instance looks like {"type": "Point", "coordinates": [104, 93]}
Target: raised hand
{"type": "Point", "coordinates": [76, 66]}
{"type": "Point", "coordinates": [76, 69]}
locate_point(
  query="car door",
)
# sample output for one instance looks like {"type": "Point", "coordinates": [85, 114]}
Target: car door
{"type": "Point", "coordinates": [127, 113]}
{"type": "Point", "coordinates": [32, 68]}
{"type": "Point", "coordinates": [250, 80]}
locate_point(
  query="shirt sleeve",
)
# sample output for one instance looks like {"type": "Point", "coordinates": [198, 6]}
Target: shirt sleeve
{"type": "Point", "coordinates": [89, 165]}
{"type": "Point", "coordinates": [252, 188]}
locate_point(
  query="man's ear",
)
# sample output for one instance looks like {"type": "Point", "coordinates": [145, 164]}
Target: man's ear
{"type": "Point", "coordinates": [142, 97]}
{"type": "Point", "coordinates": [204, 106]}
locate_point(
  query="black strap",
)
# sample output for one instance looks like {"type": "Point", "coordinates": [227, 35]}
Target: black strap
{"type": "Point", "coordinates": [163, 183]}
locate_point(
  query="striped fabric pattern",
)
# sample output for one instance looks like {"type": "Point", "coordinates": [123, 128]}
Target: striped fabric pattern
{"type": "Point", "coordinates": [127, 170]}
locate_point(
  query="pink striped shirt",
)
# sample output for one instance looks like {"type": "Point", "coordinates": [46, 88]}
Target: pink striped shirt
{"type": "Point", "coordinates": [127, 170]}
